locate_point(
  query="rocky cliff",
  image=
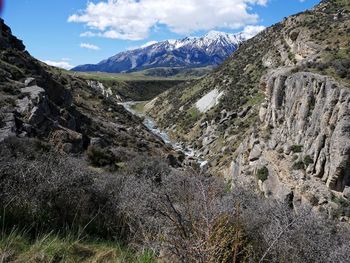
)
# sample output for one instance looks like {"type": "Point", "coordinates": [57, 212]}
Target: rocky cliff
{"type": "Point", "coordinates": [281, 117]}
{"type": "Point", "coordinates": [300, 151]}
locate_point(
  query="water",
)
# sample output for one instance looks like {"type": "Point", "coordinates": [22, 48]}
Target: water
{"type": "Point", "coordinates": [153, 127]}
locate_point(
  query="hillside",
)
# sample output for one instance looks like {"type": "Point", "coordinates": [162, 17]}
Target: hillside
{"type": "Point", "coordinates": [84, 179]}
{"type": "Point", "coordinates": [181, 55]}
{"type": "Point", "coordinates": [276, 114]}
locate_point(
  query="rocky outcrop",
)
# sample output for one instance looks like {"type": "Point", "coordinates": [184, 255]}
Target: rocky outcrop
{"type": "Point", "coordinates": [7, 40]}
{"type": "Point", "coordinates": [312, 111]}
{"type": "Point", "coordinates": [98, 86]}
{"type": "Point", "coordinates": [303, 139]}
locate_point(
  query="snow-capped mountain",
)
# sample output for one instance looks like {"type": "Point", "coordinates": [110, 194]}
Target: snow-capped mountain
{"type": "Point", "coordinates": [190, 52]}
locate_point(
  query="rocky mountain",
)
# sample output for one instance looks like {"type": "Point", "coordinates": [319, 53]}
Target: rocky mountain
{"type": "Point", "coordinates": [191, 52]}
{"type": "Point", "coordinates": [276, 115]}
{"type": "Point", "coordinates": [68, 112]}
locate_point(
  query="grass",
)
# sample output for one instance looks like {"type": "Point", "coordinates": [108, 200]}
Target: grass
{"type": "Point", "coordinates": [191, 92]}
{"type": "Point", "coordinates": [19, 247]}
{"type": "Point", "coordinates": [142, 75]}
{"type": "Point", "coordinates": [193, 113]}
{"type": "Point", "coordinates": [139, 107]}
{"type": "Point", "coordinates": [257, 99]}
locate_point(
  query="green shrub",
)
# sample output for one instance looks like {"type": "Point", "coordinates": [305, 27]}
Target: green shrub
{"type": "Point", "coordinates": [262, 174]}
{"type": "Point", "coordinates": [308, 160]}
{"type": "Point", "coordinates": [299, 165]}
{"type": "Point", "coordinates": [100, 157]}
{"type": "Point", "coordinates": [297, 148]}
{"type": "Point", "coordinates": [280, 150]}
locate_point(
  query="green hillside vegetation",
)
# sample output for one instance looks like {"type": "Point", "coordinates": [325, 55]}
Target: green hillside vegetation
{"type": "Point", "coordinates": [325, 29]}
{"type": "Point", "coordinates": [148, 74]}
{"type": "Point", "coordinates": [22, 248]}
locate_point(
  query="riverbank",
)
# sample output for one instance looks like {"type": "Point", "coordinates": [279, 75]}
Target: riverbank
{"type": "Point", "coordinates": [137, 108]}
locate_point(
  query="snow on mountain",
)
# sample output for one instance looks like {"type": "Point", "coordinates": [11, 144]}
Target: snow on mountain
{"type": "Point", "coordinates": [210, 50]}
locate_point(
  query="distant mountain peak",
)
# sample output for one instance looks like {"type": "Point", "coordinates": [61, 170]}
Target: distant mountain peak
{"type": "Point", "coordinates": [190, 52]}
{"type": "Point", "coordinates": [213, 34]}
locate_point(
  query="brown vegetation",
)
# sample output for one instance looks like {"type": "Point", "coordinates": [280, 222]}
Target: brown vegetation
{"type": "Point", "coordinates": [148, 205]}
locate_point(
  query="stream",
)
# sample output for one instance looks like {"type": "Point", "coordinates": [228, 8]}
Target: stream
{"type": "Point", "coordinates": [152, 126]}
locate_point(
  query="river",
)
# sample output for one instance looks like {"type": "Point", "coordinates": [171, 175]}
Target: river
{"type": "Point", "coordinates": [152, 126]}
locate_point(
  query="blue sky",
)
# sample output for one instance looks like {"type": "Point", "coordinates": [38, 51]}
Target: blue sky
{"type": "Point", "coordinates": [79, 31]}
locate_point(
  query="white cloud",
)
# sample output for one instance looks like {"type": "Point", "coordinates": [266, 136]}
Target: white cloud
{"type": "Point", "coordinates": [89, 46]}
{"type": "Point", "coordinates": [251, 31]}
{"type": "Point", "coordinates": [60, 64]}
{"type": "Point", "coordinates": [133, 19]}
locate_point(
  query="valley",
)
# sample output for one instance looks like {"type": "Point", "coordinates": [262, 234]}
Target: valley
{"type": "Point", "coordinates": [213, 149]}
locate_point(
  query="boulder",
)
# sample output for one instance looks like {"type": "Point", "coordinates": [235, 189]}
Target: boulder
{"type": "Point", "coordinates": [30, 82]}
{"type": "Point", "coordinates": [255, 153]}
{"type": "Point", "coordinates": [273, 187]}
{"type": "Point", "coordinates": [35, 93]}
{"type": "Point", "coordinates": [204, 166]}
{"type": "Point", "coordinates": [23, 105]}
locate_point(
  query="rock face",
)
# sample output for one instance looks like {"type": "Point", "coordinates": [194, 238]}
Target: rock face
{"type": "Point", "coordinates": [304, 139]}
{"type": "Point", "coordinates": [312, 111]}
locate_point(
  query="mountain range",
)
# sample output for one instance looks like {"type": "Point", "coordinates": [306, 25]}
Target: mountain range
{"type": "Point", "coordinates": [190, 52]}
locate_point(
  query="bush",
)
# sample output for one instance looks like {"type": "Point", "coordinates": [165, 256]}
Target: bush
{"type": "Point", "coordinates": [262, 174]}
{"type": "Point", "coordinates": [190, 218]}
{"type": "Point", "coordinates": [308, 160]}
{"type": "Point", "coordinates": [44, 190]}
{"type": "Point", "coordinates": [100, 157]}
{"type": "Point", "coordinates": [299, 165]}
{"type": "Point", "coordinates": [297, 148]}
{"type": "Point", "coordinates": [342, 67]}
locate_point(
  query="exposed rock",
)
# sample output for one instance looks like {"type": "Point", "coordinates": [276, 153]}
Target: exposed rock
{"type": "Point", "coordinates": [300, 99]}
{"type": "Point", "coordinates": [7, 126]}
{"type": "Point", "coordinates": [208, 140]}
{"type": "Point", "coordinates": [98, 86]}
{"type": "Point", "coordinates": [23, 105]}
{"type": "Point", "coordinates": [346, 192]}
{"type": "Point", "coordinates": [35, 93]}
{"type": "Point", "coordinates": [255, 153]}
{"type": "Point", "coordinates": [322, 201]}
{"type": "Point", "coordinates": [204, 166]}
{"type": "Point", "coordinates": [30, 82]}
{"type": "Point", "coordinates": [273, 187]}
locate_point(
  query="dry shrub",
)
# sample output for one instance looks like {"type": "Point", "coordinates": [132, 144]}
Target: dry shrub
{"type": "Point", "coordinates": [182, 216]}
